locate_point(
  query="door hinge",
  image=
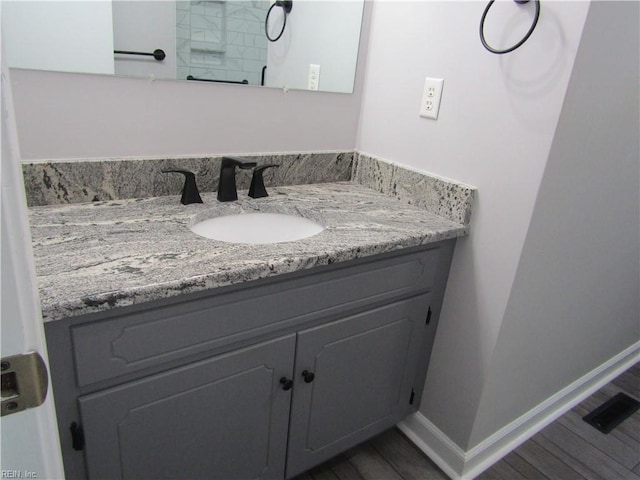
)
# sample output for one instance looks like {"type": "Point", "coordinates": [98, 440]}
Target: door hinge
{"type": "Point", "coordinates": [77, 436]}
{"type": "Point", "coordinates": [428, 321]}
{"type": "Point", "coordinates": [413, 394]}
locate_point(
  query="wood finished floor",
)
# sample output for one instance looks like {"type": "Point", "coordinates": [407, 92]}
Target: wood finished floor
{"type": "Point", "coordinates": [567, 449]}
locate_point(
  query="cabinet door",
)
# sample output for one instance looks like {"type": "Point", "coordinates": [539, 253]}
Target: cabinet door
{"type": "Point", "coordinates": [363, 368]}
{"type": "Point", "coordinates": [222, 418]}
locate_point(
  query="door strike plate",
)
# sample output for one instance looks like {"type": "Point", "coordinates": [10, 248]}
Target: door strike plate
{"type": "Point", "coordinates": [24, 382]}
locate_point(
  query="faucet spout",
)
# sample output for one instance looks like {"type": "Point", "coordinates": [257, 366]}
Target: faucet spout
{"type": "Point", "coordinates": [227, 191]}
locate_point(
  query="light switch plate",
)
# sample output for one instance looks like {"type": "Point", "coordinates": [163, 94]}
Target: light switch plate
{"type": "Point", "coordinates": [431, 96]}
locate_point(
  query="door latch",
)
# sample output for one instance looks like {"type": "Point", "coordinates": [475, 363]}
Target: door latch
{"type": "Point", "coordinates": [24, 382]}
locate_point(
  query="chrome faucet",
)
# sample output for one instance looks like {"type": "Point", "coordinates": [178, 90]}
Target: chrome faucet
{"type": "Point", "coordinates": [227, 191]}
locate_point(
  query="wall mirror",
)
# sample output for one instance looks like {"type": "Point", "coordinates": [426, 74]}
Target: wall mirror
{"type": "Point", "coordinates": [202, 40]}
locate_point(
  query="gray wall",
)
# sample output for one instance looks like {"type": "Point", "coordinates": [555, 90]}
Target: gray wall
{"type": "Point", "coordinates": [497, 122]}
{"type": "Point", "coordinates": [67, 116]}
{"type": "Point", "coordinates": [574, 302]}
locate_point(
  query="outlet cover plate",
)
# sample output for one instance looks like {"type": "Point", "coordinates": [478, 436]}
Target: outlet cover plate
{"type": "Point", "coordinates": [314, 76]}
{"type": "Point", "coordinates": [431, 95]}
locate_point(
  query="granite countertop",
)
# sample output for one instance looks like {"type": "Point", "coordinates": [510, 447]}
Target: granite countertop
{"type": "Point", "coordinates": [96, 256]}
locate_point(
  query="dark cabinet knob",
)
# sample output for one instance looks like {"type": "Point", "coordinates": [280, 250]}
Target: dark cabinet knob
{"type": "Point", "coordinates": [308, 376]}
{"type": "Point", "coordinates": [286, 383]}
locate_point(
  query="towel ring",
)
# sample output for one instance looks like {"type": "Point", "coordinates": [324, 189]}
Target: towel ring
{"type": "Point", "coordinates": [286, 6]}
{"type": "Point", "coordinates": [526, 37]}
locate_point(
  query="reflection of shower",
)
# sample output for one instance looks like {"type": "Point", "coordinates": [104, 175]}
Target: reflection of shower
{"type": "Point", "coordinates": [221, 39]}
{"type": "Point", "coordinates": [286, 6]}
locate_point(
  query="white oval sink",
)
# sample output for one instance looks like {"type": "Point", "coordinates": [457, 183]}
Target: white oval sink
{"type": "Point", "coordinates": [257, 228]}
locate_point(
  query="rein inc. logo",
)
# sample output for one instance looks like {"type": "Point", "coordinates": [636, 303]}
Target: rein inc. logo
{"type": "Point", "coordinates": [18, 474]}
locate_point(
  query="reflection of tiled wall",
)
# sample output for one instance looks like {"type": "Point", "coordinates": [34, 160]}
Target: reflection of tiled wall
{"type": "Point", "coordinates": [221, 39]}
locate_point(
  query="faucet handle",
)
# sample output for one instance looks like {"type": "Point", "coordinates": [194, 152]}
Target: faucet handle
{"type": "Point", "coordinates": [257, 189]}
{"type": "Point", "coordinates": [190, 192]}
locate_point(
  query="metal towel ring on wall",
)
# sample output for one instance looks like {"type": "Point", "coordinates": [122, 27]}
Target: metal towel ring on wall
{"type": "Point", "coordinates": [286, 6]}
{"type": "Point", "coordinates": [526, 37]}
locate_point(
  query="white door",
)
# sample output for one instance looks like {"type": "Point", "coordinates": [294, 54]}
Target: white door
{"type": "Point", "coordinates": [30, 446]}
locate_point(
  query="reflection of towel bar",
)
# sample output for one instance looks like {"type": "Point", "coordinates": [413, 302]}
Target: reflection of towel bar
{"type": "Point", "coordinates": [157, 54]}
{"type": "Point", "coordinates": [191, 77]}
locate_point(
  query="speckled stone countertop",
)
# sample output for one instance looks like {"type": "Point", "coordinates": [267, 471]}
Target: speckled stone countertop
{"type": "Point", "coordinates": [96, 256]}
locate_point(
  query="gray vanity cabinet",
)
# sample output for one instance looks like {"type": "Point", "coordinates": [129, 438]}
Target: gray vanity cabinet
{"type": "Point", "coordinates": [227, 417]}
{"type": "Point", "coordinates": [224, 417]}
{"type": "Point", "coordinates": [261, 380]}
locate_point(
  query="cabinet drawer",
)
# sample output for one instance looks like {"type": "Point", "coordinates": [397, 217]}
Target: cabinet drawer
{"type": "Point", "coordinates": [123, 344]}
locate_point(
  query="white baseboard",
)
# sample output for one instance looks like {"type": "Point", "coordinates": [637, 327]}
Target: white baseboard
{"type": "Point", "coordinates": [435, 444]}
{"type": "Point", "coordinates": [461, 465]}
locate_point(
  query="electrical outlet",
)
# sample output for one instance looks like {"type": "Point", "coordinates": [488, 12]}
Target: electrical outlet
{"type": "Point", "coordinates": [314, 76]}
{"type": "Point", "coordinates": [431, 95]}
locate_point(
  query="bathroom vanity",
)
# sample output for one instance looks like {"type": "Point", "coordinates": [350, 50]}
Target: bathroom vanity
{"type": "Point", "coordinates": [258, 381]}
{"type": "Point", "coordinates": [177, 356]}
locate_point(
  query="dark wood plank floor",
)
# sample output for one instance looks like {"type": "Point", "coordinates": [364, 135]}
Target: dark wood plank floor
{"type": "Point", "coordinates": [567, 449]}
